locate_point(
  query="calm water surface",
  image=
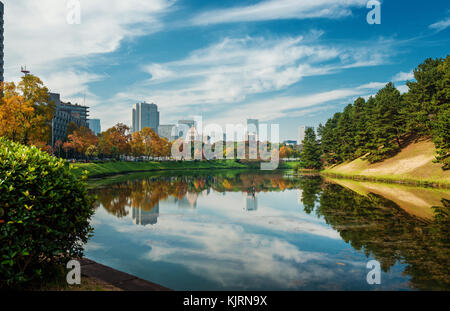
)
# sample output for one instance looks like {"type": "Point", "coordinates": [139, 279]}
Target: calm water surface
{"type": "Point", "coordinates": [270, 231]}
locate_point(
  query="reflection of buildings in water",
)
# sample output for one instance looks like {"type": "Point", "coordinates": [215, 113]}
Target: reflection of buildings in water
{"type": "Point", "coordinates": [189, 200]}
{"type": "Point", "coordinates": [251, 202]}
{"type": "Point", "coordinates": [143, 217]}
{"type": "Point", "coordinates": [300, 197]}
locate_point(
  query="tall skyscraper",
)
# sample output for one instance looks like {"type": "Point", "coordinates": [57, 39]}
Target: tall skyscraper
{"type": "Point", "coordinates": [1, 43]}
{"type": "Point", "coordinates": [252, 129]}
{"type": "Point", "coordinates": [144, 115]}
{"type": "Point", "coordinates": [94, 126]}
{"type": "Point", "coordinates": [252, 126]}
{"type": "Point", "coordinates": [143, 217]}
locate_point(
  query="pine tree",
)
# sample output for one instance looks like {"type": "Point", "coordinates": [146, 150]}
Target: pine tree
{"type": "Point", "coordinates": [387, 124]}
{"type": "Point", "coordinates": [311, 153]}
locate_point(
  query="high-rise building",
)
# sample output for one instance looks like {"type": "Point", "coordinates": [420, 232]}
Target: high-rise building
{"type": "Point", "coordinates": [144, 115]}
{"type": "Point", "coordinates": [66, 113]}
{"type": "Point", "coordinates": [1, 43]}
{"type": "Point", "coordinates": [168, 131]}
{"type": "Point", "coordinates": [94, 126]}
{"type": "Point", "coordinates": [251, 202]}
{"type": "Point", "coordinates": [145, 217]}
{"type": "Point", "coordinates": [252, 129]}
{"type": "Point", "coordinates": [253, 126]}
{"type": "Point", "coordinates": [184, 126]}
{"type": "Point", "coordinates": [301, 133]}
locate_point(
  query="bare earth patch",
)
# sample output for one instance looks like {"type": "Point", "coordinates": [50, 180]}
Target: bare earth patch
{"type": "Point", "coordinates": [414, 162]}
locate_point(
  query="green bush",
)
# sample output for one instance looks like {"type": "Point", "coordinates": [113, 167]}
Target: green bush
{"type": "Point", "coordinates": [44, 214]}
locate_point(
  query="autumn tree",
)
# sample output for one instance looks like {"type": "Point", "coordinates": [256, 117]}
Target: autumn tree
{"type": "Point", "coordinates": [81, 139]}
{"type": "Point", "coordinates": [147, 143]}
{"type": "Point", "coordinates": [286, 152]}
{"type": "Point", "coordinates": [115, 141]}
{"type": "Point", "coordinates": [91, 151]}
{"type": "Point", "coordinates": [26, 111]}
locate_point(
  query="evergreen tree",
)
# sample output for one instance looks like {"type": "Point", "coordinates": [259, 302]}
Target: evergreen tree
{"type": "Point", "coordinates": [441, 124]}
{"type": "Point", "coordinates": [311, 152]}
{"type": "Point", "coordinates": [425, 96]}
{"type": "Point", "coordinates": [379, 127]}
{"type": "Point", "coordinates": [387, 125]}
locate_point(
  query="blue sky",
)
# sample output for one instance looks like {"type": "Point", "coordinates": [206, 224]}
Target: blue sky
{"type": "Point", "coordinates": [291, 62]}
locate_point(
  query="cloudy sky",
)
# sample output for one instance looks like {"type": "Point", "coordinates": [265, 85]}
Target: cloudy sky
{"type": "Point", "coordinates": [291, 62]}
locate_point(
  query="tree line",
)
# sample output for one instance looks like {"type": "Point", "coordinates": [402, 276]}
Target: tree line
{"type": "Point", "coordinates": [26, 115]}
{"type": "Point", "coordinates": [379, 127]}
{"type": "Point", "coordinates": [113, 143]}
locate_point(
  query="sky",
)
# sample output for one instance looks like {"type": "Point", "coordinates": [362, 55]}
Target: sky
{"type": "Point", "coordinates": [286, 62]}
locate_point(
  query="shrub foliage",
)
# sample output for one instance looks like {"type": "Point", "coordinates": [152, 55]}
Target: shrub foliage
{"type": "Point", "coordinates": [44, 214]}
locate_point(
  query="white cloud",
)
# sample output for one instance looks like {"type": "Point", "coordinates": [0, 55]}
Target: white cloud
{"type": "Point", "coordinates": [280, 107]}
{"type": "Point", "coordinates": [403, 88]}
{"type": "Point", "coordinates": [37, 35]}
{"type": "Point", "coordinates": [280, 9]}
{"type": "Point", "coordinates": [441, 25]}
{"type": "Point", "coordinates": [373, 85]}
{"type": "Point", "coordinates": [221, 78]}
{"type": "Point", "coordinates": [69, 83]}
{"type": "Point", "coordinates": [232, 70]}
{"type": "Point", "coordinates": [403, 76]}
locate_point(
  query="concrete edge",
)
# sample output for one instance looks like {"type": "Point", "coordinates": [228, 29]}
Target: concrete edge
{"type": "Point", "coordinates": [122, 280]}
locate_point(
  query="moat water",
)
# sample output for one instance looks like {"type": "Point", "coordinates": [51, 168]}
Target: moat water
{"type": "Point", "coordinates": [241, 230]}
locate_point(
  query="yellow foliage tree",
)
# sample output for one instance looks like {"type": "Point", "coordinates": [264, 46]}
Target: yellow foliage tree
{"type": "Point", "coordinates": [26, 112]}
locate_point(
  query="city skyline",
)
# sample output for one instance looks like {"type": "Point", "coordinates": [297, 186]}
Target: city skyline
{"type": "Point", "coordinates": [298, 70]}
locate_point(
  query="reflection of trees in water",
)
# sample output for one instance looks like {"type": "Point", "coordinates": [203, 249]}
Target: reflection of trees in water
{"type": "Point", "coordinates": [147, 192]}
{"type": "Point", "coordinates": [378, 227]}
{"type": "Point", "coordinates": [115, 198]}
{"type": "Point", "coordinates": [371, 224]}
{"type": "Point", "coordinates": [311, 186]}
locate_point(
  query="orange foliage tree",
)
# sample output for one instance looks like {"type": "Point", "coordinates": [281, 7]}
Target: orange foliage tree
{"type": "Point", "coordinates": [80, 140]}
{"type": "Point", "coordinates": [115, 141]}
{"type": "Point", "coordinates": [147, 143]}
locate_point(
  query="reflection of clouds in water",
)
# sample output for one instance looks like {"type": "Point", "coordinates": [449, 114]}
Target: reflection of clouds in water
{"type": "Point", "coordinates": [227, 254]}
{"type": "Point", "coordinates": [268, 217]}
{"type": "Point", "coordinates": [93, 246]}
{"type": "Point", "coordinates": [216, 245]}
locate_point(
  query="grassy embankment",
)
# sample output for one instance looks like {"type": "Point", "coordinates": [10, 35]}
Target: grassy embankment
{"type": "Point", "coordinates": [413, 165]}
{"type": "Point", "coordinates": [112, 168]}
